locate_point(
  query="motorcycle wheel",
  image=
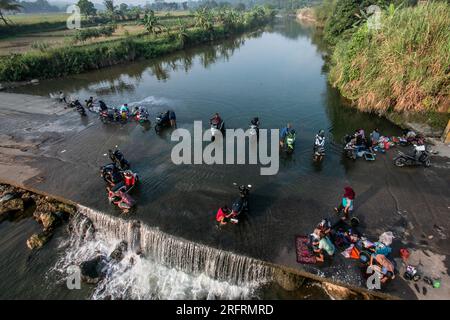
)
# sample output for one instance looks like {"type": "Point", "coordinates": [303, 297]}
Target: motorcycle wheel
{"type": "Point", "coordinates": [400, 162]}
{"type": "Point", "coordinates": [157, 128]}
{"type": "Point", "coordinates": [427, 163]}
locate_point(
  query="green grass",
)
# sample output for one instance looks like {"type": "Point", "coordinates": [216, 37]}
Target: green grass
{"type": "Point", "coordinates": [403, 67]}
{"type": "Point", "coordinates": [26, 19]}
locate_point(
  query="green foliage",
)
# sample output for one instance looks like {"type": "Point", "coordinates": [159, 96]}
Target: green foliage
{"type": "Point", "coordinates": [87, 8]}
{"type": "Point", "coordinates": [84, 34]}
{"type": "Point", "coordinates": [152, 23]}
{"type": "Point", "coordinates": [403, 67]}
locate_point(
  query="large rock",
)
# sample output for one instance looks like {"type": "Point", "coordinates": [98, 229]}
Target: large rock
{"type": "Point", "coordinates": [119, 251]}
{"type": "Point", "coordinates": [92, 271]}
{"type": "Point", "coordinates": [49, 220]}
{"type": "Point", "coordinates": [14, 204]}
{"type": "Point", "coordinates": [37, 241]}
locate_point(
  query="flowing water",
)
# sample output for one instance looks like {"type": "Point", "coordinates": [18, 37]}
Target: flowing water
{"type": "Point", "coordinates": [277, 74]}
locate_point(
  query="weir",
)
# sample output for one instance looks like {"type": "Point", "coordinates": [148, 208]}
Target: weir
{"type": "Point", "coordinates": [180, 254]}
{"type": "Point", "coordinates": [194, 258]}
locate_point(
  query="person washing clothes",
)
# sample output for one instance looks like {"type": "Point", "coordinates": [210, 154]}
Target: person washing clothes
{"type": "Point", "coordinates": [283, 133]}
{"type": "Point", "coordinates": [346, 205]}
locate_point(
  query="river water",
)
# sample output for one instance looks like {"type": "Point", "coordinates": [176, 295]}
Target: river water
{"type": "Point", "coordinates": [277, 74]}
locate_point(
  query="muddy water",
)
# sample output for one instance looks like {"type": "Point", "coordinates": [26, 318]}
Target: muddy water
{"type": "Point", "coordinates": [277, 75]}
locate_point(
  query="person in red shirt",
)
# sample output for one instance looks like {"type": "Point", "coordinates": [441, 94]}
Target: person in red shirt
{"type": "Point", "coordinates": [223, 215]}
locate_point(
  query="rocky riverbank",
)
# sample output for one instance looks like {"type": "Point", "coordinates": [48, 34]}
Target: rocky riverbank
{"type": "Point", "coordinates": [17, 203]}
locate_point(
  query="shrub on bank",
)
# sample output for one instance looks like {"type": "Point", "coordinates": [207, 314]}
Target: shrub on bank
{"type": "Point", "coordinates": [105, 31]}
{"type": "Point", "coordinates": [403, 67]}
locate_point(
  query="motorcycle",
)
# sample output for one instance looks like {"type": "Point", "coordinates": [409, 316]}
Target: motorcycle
{"type": "Point", "coordinates": [254, 127]}
{"type": "Point", "coordinates": [217, 127]}
{"type": "Point", "coordinates": [118, 179]}
{"type": "Point", "coordinates": [111, 174]}
{"type": "Point", "coordinates": [142, 116]}
{"type": "Point", "coordinates": [118, 159]}
{"type": "Point", "coordinates": [404, 159]}
{"type": "Point", "coordinates": [80, 109]}
{"type": "Point", "coordinates": [121, 199]}
{"type": "Point", "coordinates": [162, 121]}
{"type": "Point", "coordinates": [107, 116]}
{"type": "Point", "coordinates": [240, 205]}
{"type": "Point", "coordinates": [319, 153]}
{"type": "Point", "coordinates": [350, 151]}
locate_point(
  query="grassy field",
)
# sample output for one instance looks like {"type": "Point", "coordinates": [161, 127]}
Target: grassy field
{"type": "Point", "coordinates": [26, 19]}
{"type": "Point", "coordinates": [32, 41]}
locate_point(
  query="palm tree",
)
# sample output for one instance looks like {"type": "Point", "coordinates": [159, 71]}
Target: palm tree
{"type": "Point", "coordinates": [151, 23]}
{"type": "Point", "coordinates": [204, 19]}
{"type": "Point", "coordinates": [8, 5]}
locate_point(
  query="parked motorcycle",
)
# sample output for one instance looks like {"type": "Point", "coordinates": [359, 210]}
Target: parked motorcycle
{"type": "Point", "coordinates": [319, 153]}
{"type": "Point", "coordinates": [118, 159]}
{"type": "Point", "coordinates": [240, 205]}
{"type": "Point", "coordinates": [107, 116]}
{"type": "Point", "coordinates": [115, 178]}
{"type": "Point", "coordinates": [319, 146]}
{"type": "Point", "coordinates": [111, 174]}
{"type": "Point", "coordinates": [121, 199]}
{"type": "Point", "coordinates": [142, 116]}
{"type": "Point", "coordinates": [421, 156]}
{"type": "Point", "coordinates": [254, 127]}
{"type": "Point", "coordinates": [162, 121]}
{"type": "Point", "coordinates": [216, 128]}
{"type": "Point", "coordinates": [80, 109]}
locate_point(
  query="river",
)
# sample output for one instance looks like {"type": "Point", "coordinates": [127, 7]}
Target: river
{"type": "Point", "coordinates": [278, 75]}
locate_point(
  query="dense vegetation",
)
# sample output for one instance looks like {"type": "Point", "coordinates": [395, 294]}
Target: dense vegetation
{"type": "Point", "coordinates": [76, 59]}
{"type": "Point", "coordinates": [402, 67]}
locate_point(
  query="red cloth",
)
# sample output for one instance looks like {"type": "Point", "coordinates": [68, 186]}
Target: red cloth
{"type": "Point", "coordinates": [349, 193]}
{"type": "Point", "coordinates": [220, 215]}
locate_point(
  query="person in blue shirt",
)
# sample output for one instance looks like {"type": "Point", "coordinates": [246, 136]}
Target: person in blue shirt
{"type": "Point", "coordinates": [283, 133]}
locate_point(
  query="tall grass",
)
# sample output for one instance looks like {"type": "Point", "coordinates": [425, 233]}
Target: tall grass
{"type": "Point", "coordinates": [403, 67]}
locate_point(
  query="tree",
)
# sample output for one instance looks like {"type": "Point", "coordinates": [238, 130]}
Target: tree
{"type": "Point", "coordinates": [109, 5]}
{"type": "Point", "coordinates": [87, 8]}
{"type": "Point", "coordinates": [8, 5]}
{"type": "Point", "coordinates": [182, 33]}
{"type": "Point", "coordinates": [123, 8]}
{"type": "Point", "coordinates": [151, 23]}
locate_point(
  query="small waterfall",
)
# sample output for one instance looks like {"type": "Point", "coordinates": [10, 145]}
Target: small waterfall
{"type": "Point", "coordinates": [179, 254]}
{"type": "Point", "coordinates": [196, 258]}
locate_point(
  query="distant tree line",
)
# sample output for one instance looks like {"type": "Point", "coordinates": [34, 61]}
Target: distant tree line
{"type": "Point", "coordinates": [39, 6]}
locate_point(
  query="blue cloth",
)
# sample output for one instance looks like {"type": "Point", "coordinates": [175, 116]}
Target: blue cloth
{"type": "Point", "coordinates": [344, 203]}
{"type": "Point", "coordinates": [284, 132]}
{"type": "Point", "coordinates": [172, 115]}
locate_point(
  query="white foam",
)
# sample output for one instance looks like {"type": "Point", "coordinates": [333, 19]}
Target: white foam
{"type": "Point", "coordinates": [138, 277]}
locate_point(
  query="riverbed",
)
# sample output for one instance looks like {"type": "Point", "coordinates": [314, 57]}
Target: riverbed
{"type": "Point", "coordinates": [278, 75]}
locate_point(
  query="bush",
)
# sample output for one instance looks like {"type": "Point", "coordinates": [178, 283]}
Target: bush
{"type": "Point", "coordinates": [403, 67]}
{"type": "Point", "coordinates": [84, 34]}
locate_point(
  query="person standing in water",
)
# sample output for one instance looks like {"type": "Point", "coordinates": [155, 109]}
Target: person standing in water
{"type": "Point", "coordinates": [346, 205]}
{"type": "Point", "coordinates": [284, 132]}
